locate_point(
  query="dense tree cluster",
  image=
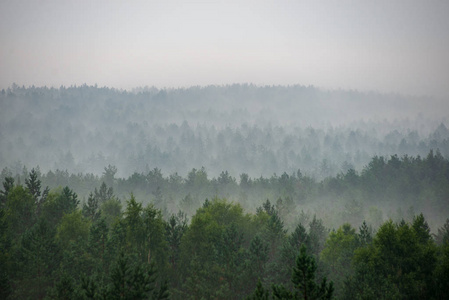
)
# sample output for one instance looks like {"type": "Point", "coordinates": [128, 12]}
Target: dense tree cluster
{"type": "Point", "coordinates": [56, 246]}
{"type": "Point", "coordinates": [387, 188]}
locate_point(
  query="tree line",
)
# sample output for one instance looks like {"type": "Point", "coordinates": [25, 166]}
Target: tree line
{"type": "Point", "coordinates": [239, 128]}
{"type": "Point", "coordinates": [56, 246]}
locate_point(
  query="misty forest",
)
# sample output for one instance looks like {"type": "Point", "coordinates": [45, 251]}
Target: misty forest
{"type": "Point", "coordinates": [222, 192]}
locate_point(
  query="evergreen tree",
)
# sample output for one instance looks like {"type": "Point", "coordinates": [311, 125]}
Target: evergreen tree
{"type": "Point", "coordinates": [33, 183]}
{"type": "Point", "coordinates": [103, 194]}
{"type": "Point", "coordinates": [365, 235]}
{"type": "Point", "coordinates": [135, 281]}
{"type": "Point", "coordinates": [260, 293]}
{"type": "Point", "coordinates": [317, 236]}
{"type": "Point", "coordinates": [8, 184]}
{"type": "Point", "coordinates": [38, 258]}
{"type": "Point", "coordinates": [303, 278]}
{"type": "Point", "coordinates": [174, 231]}
{"type": "Point", "coordinates": [442, 237]}
{"type": "Point", "coordinates": [289, 252]}
{"type": "Point", "coordinates": [5, 254]}
{"type": "Point", "coordinates": [90, 210]}
{"type": "Point", "coordinates": [20, 210]}
{"type": "Point", "coordinates": [98, 242]}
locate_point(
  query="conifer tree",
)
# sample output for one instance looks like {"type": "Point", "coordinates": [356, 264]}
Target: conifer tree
{"type": "Point", "coordinates": [8, 184]}
{"type": "Point", "coordinates": [365, 238]}
{"type": "Point", "coordinates": [90, 210]}
{"type": "Point", "coordinates": [303, 279]}
{"type": "Point", "coordinates": [260, 293]}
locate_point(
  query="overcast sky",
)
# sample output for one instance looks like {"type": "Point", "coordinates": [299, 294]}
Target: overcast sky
{"type": "Point", "coordinates": [386, 46]}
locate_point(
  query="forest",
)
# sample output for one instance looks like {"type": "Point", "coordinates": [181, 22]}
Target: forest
{"type": "Point", "coordinates": [222, 192]}
{"type": "Point", "coordinates": [239, 128]}
{"type": "Point", "coordinates": [57, 246]}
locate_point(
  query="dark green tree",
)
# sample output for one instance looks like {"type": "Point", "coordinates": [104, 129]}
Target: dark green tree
{"type": "Point", "coordinates": [365, 235]}
{"type": "Point", "coordinates": [442, 236]}
{"type": "Point", "coordinates": [174, 231]}
{"type": "Point", "coordinates": [260, 293]}
{"type": "Point", "coordinates": [5, 254]}
{"type": "Point", "coordinates": [91, 209]}
{"type": "Point", "coordinates": [38, 258]}
{"type": "Point", "coordinates": [103, 194]}
{"type": "Point", "coordinates": [136, 281]}
{"type": "Point", "coordinates": [303, 279]}
{"type": "Point", "coordinates": [8, 184]}
{"type": "Point", "coordinates": [20, 210]}
{"type": "Point", "coordinates": [33, 183]}
{"type": "Point", "coordinates": [317, 236]}
{"type": "Point", "coordinates": [98, 243]}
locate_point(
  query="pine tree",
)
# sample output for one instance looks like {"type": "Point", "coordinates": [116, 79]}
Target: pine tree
{"type": "Point", "coordinates": [135, 282]}
{"type": "Point", "coordinates": [304, 274]}
{"type": "Point", "coordinates": [90, 210]}
{"type": "Point", "coordinates": [8, 184]}
{"type": "Point", "coordinates": [39, 256]}
{"type": "Point", "coordinates": [33, 184]}
{"type": "Point", "coordinates": [5, 248]}
{"type": "Point", "coordinates": [260, 293]}
{"type": "Point", "coordinates": [174, 230]}
{"type": "Point", "coordinates": [317, 236]}
{"type": "Point", "coordinates": [365, 238]}
{"type": "Point", "coordinates": [98, 241]}
{"type": "Point", "coordinates": [104, 194]}
{"type": "Point", "coordinates": [442, 237]}
{"type": "Point", "coordinates": [303, 279]}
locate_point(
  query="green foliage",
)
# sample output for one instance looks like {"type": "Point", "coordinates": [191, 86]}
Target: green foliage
{"type": "Point", "coordinates": [98, 242]}
{"type": "Point", "coordinates": [135, 231]}
{"type": "Point", "coordinates": [8, 184]}
{"type": "Point", "coordinates": [127, 280]}
{"type": "Point", "coordinates": [58, 203]}
{"type": "Point", "coordinates": [338, 253]}
{"type": "Point", "coordinates": [104, 193]}
{"type": "Point", "coordinates": [72, 228]}
{"type": "Point", "coordinates": [303, 278]}
{"type": "Point", "coordinates": [111, 210]}
{"type": "Point", "coordinates": [216, 236]}
{"type": "Point", "coordinates": [33, 184]}
{"type": "Point", "coordinates": [20, 210]}
{"type": "Point", "coordinates": [156, 244]}
{"type": "Point", "coordinates": [174, 231]}
{"type": "Point", "coordinates": [90, 209]}
{"type": "Point", "coordinates": [289, 252]}
{"type": "Point", "coordinates": [260, 293]}
{"type": "Point", "coordinates": [5, 257]}
{"type": "Point", "coordinates": [256, 260]}
{"type": "Point", "coordinates": [441, 273]}
{"type": "Point", "coordinates": [442, 237]}
{"type": "Point", "coordinates": [37, 258]}
{"type": "Point", "coordinates": [57, 250]}
{"type": "Point", "coordinates": [64, 289]}
{"type": "Point", "coordinates": [365, 235]}
{"type": "Point", "coordinates": [317, 236]}
{"type": "Point", "coordinates": [399, 263]}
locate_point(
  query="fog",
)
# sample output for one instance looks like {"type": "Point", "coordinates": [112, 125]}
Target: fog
{"type": "Point", "coordinates": [258, 130]}
{"type": "Point", "coordinates": [388, 47]}
{"type": "Point", "coordinates": [211, 149]}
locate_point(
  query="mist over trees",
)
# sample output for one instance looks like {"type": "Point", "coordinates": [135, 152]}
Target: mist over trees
{"type": "Point", "coordinates": [239, 128]}
{"type": "Point", "coordinates": [222, 192]}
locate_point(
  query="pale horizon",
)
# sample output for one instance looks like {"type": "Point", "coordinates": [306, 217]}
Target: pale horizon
{"type": "Point", "coordinates": [400, 47]}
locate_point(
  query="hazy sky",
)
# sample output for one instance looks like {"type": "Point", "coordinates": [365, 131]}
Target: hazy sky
{"type": "Point", "coordinates": [387, 46]}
